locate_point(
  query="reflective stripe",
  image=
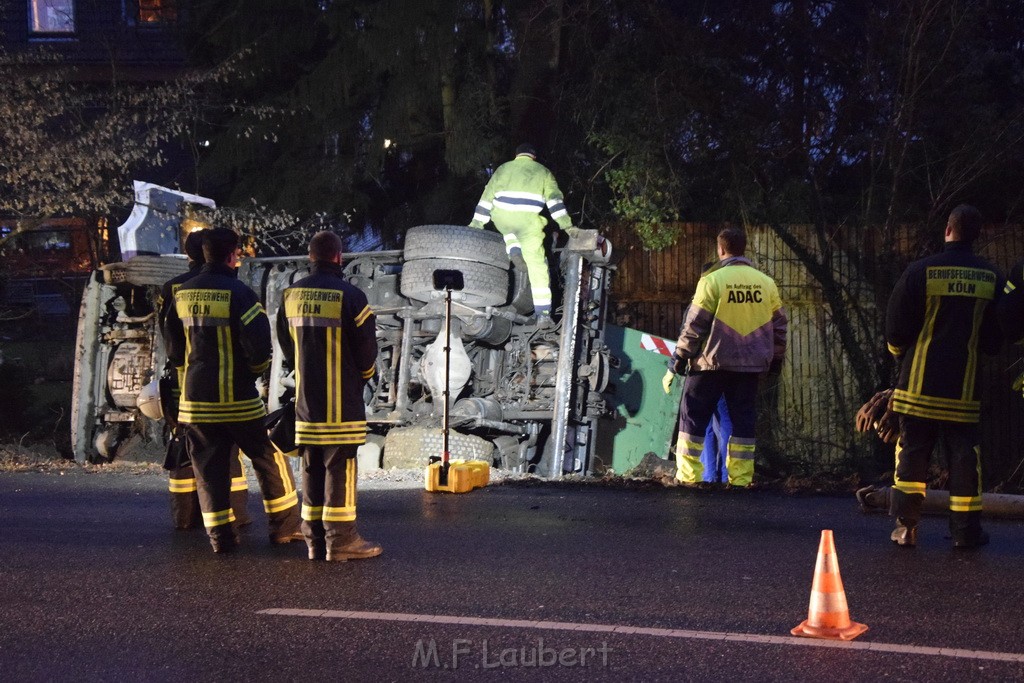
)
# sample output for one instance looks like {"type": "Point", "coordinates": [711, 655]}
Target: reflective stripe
{"type": "Point", "coordinates": [742, 449]}
{"type": "Point", "coordinates": [924, 340]}
{"type": "Point", "coordinates": [971, 370]}
{"type": "Point", "coordinates": [286, 501]}
{"type": "Point", "coordinates": [1009, 287]}
{"type": "Point", "coordinates": [367, 374]}
{"type": "Point", "coordinates": [218, 518]}
{"type": "Point", "coordinates": [182, 485]}
{"type": "Point", "coordinates": [312, 513]}
{"type": "Point", "coordinates": [895, 350]}
{"type": "Point", "coordinates": [251, 314]}
{"type": "Point", "coordinates": [239, 484]}
{"type": "Point", "coordinates": [363, 315]}
{"type": "Point", "coordinates": [261, 368]}
{"type": "Point", "coordinates": [965, 503]}
{"type": "Point", "coordinates": [911, 488]}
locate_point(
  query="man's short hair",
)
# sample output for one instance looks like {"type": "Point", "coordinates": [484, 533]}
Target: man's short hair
{"type": "Point", "coordinates": [194, 246]}
{"type": "Point", "coordinates": [964, 223]}
{"type": "Point", "coordinates": [219, 244]}
{"type": "Point", "coordinates": [733, 241]}
{"type": "Point", "coordinates": [325, 246]}
{"type": "Point", "coordinates": [526, 148]}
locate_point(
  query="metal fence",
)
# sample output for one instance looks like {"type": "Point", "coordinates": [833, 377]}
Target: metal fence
{"type": "Point", "coordinates": [819, 392]}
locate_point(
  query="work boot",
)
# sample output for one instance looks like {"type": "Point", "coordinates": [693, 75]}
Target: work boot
{"type": "Point", "coordinates": [356, 549]}
{"type": "Point", "coordinates": [904, 534]}
{"type": "Point", "coordinates": [968, 541]}
{"type": "Point", "coordinates": [282, 539]}
{"type": "Point", "coordinates": [225, 542]}
{"type": "Point", "coordinates": [317, 548]}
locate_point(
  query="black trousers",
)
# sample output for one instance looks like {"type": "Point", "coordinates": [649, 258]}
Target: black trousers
{"type": "Point", "coordinates": [918, 438]}
{"type": "Point", "coordinates": [185, 511]}
{"type": "Point", "coordinates": [209, 449]}
{"type": "Point", "coordinates": [329, 494]}
{"type": "Point", "coordinates": [701, 394]}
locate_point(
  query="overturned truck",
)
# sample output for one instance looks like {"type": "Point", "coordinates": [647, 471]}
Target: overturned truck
{"type": "Point", "coordinates": [524, 396]}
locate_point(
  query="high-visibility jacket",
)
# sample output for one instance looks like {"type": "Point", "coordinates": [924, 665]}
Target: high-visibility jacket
{"type": "Point", "coordinates": [517, 193]}
{"type": "Point", "coordinates": [166, 301]}
{"type": "Point", "coordinates": [940, 314]}
{"type": "Point", "coordinates": [736, 321]}
{"type": "Point", "coordinates": [218, 338]}
{"type": "Point", "coordinates": [164, 306]}
{"type": "Point", "coordinates": [329, 336]}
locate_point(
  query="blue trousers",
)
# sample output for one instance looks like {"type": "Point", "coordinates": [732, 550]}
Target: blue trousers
{"type": "Point", "coordinates": [716, 444]}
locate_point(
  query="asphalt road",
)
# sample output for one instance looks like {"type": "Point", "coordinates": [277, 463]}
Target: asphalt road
{"type": "Point", "coordinates": [96, 586]}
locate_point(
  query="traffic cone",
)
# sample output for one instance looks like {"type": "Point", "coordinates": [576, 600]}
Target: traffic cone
{"type": "Point", "coordinates": [828, 615]}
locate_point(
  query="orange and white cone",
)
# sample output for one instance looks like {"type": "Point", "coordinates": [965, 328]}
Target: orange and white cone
{"type": "Point", "coordinates": [828, 615]}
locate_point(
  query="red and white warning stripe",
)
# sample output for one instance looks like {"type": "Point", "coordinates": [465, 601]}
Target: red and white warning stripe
{"type": "Point", "coordinates": [657, 344]}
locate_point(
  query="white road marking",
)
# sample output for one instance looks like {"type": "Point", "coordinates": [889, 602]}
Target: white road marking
{"type": "Point", "coordinates": [656, 632]}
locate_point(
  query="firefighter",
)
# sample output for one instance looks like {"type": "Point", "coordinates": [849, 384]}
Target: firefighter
{"type": "Point", "coordinates": [735, 329]}
{"type": "Point", "coordinates": [328, 335]}
{"type": "Point", "coordinates": [185, 513]}
{"type": "Point", "coordinates": [513, 199]}
{"type": "Point", "coordinates": [218, 339]}
{"type": "Point", "coordinates": [941, 313]}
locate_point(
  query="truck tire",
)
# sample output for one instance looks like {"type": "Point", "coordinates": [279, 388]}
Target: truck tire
{"type": "Point", "coordinates": [406, 447]}
{"type": "Point", "coordinates": [484, 285]}
{"type": "Point", "coordinates": [457, 242]}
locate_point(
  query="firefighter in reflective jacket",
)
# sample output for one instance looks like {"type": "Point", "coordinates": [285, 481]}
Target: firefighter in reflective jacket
{"type": "Point", "coordinates": [328, 334]}
{"type": "Point", "coordinates": [185, 512]}
{"type": "Point", "coordinates": [218, 339]}
{"type": "Point", "coordinates": [734, 330]}
{"type": "Point", "coordinates": [513, 199]}
{"type": "Point", "coordinates": [941, 313]}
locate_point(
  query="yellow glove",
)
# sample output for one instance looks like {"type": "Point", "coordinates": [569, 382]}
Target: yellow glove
{"type": "Point", "coordinates": [666, 381]}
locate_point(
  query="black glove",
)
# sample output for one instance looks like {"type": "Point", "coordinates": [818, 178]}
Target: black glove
{"type": "Point", "coordinates": [678, 364]}
{"type": "Point", "coordinates": [775, 367]}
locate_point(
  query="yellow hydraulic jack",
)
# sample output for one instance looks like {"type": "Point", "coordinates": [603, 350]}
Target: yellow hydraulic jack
{"type": "Point", "coordinates": [444, 474]}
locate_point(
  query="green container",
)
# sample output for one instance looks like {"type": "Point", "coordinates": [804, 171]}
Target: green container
{"type": "Point", "coordinates": [644, 417]}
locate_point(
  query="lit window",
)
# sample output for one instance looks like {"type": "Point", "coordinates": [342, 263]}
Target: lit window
{"type": "Point", "coordinates": [52, 16]}
{"type": "Point", "coordinates": [157, 11]}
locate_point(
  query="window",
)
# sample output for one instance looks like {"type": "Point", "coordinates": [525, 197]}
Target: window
{"type": "Point", "coordinates": [52, 16]}
{"type": "Point", "coordinates": [156, 12]}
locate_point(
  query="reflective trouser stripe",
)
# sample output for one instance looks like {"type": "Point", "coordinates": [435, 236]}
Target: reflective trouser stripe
{"type": "Point", "coordinates": [347, 512]}
{"type": "Point", "coordinates": [965, 503]}
{"type": "Point", "coordinates": [740, 461]}
{"type": "Point", "coordinates": [218, 518]}
{"type": "Point", "coordinates": [182, 485]}
{"type": "Point", "coordinates": [312, 513]}
{"type": "Point", "coordinates": [689, 467]}
{"type": "Point", "coordinates": [239, 484]}
{"type": "Point", "coordinates": [908, 487]}
{"type": "Point", "coordinates": [290, 499]}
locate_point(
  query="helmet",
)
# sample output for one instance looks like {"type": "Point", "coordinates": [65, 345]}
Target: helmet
{"type": "Point", "coordinates": [148, 401]}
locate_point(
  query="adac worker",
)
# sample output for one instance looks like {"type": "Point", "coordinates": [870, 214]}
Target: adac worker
{"type": "Point", "coordinates": [328, 335]}
{"type": "Point", "coordinates": [218, 337]}
{"type": "Point", "coordinates": [735, 329]}
{"type": "Point", "coordinates": [941, 313]}
{"type": "Point", "coordinates": [513, 199]}
{"type": "Point", "coordinates": [185, 512]}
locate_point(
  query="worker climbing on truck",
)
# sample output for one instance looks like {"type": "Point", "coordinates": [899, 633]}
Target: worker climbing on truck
{"type": "Point", "coordinates": [513, 199]}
